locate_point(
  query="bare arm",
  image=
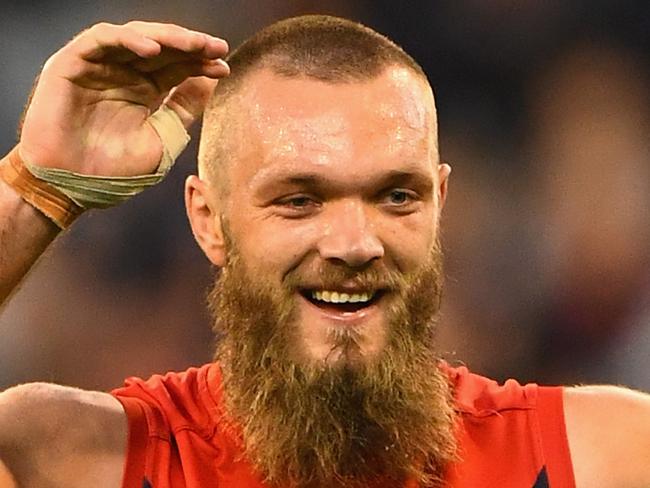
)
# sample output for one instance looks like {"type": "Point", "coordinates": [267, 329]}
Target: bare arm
{"type": "Point", "coordinates": [88, 115]}
{"type": "Point", "coordinates": [89, 112]}
{"type": "Point", "coordinates": [24, 235]}
{"type": "Point", "coordinates": [609, 436]}
{"type": "Point", "coordinates": [58, 436]}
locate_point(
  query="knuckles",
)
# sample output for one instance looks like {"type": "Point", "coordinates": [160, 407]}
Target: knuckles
{"type": "Point", "coordinates": [102, 26]}
{"type": "Point", "coordinates": [64, 63]}
{"type": "Point", "coordinates": [99, 30]}
{"type": "Point", "coordinates": [69, 61]}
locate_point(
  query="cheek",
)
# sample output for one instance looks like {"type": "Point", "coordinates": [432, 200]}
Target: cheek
{"type": "Point", "coordinates": [274, 247]}
{"type": "Point", "coordinates": [408, 241]}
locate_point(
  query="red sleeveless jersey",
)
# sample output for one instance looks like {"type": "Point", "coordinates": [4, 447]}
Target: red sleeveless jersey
{"type": "Point", "coordinates": [509, 436]}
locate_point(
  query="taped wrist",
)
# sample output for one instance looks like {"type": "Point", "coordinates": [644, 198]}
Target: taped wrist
{"type": "Point", "coordinates": [89, 191]}
{"type": "Point", "coordinates": [48, 200]}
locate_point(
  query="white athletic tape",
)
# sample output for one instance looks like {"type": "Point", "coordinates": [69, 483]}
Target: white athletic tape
{"type": "Point", "coordinates": [89, 191]}
{"type": "Point", "coordinates": [172, 133]}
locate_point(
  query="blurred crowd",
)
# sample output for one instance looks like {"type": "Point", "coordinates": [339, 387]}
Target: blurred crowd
{"type": "Point", "coordinates": [544, 117]}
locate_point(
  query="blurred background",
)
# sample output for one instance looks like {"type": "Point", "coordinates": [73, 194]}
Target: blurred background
{"type": "Point", "coordinates": [544, 116]}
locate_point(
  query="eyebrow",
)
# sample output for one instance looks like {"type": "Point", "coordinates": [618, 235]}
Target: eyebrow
{"type": "Point", "coordinates": [415, 177]}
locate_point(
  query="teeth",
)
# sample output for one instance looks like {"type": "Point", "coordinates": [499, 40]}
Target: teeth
{"type": "Point", "coordinates": [336, 297]}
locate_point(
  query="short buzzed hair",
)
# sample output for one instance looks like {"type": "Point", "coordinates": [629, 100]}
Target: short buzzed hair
{"type": "Point", "coordinates": [322, 47]}
{"type": "Point", "coordinates": [326, 48]}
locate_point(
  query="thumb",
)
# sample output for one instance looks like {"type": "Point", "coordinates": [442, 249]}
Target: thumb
{"type": "Point", "coordinates": [189, 98]}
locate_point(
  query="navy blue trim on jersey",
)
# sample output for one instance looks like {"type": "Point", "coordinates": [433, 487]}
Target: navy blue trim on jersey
{"type": "Point", "coordinates": [542, 479]}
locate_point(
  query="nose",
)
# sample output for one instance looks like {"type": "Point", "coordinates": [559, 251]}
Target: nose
{"type": "Point", "coordinates": [349, 236]}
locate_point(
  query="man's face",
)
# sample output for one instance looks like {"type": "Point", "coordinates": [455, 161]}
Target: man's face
{"type": "Point", "coordinates": [326, 182]}
{"type": "Point", "coordinates": [331, 279]}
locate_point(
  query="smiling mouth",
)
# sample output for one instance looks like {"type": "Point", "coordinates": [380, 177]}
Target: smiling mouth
{"type": "Point", "coordinates": [342, 302]}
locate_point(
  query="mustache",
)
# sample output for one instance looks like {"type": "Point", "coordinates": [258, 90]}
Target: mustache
{"type": "Point", "coordinates": [328, 276]}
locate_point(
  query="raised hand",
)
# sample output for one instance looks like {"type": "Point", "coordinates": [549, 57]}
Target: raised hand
{"type": "Point", "coordinates": [89, 110]}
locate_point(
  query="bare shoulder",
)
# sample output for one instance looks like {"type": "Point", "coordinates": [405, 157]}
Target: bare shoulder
{"type": "Point", "coordinates": [52, 435]}
{"type": "Point", "coordinates": [609, 436]}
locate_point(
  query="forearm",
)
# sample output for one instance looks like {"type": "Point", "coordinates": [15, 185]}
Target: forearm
{"type": "Point", "coordinates": [24, 235]}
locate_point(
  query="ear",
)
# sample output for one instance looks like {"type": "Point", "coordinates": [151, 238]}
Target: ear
{"type": "Point", "coordinates": [205, 218]}
{"type": "Point", "coordinates": [444, 170]}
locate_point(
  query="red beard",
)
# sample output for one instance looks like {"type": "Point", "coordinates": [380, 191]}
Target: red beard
{"type": "Point", "coordinates": [306, 425]}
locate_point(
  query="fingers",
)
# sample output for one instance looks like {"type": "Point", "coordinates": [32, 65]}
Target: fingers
{"type": "Point", "coordinates": [166, 57]}
{"type": "Point", "coordinates": [170, 76]}
{"type": "Point", "coordinates": [189, 98]}
{"type": "Point", "coordinates": [143, 60]}
{"type": "Point", "coordinates": [123, 43]}
{"type": "Point", "coordinates": [116, 81]}
{"type": "Point", "coordinates": [182, 39]}
{"type": "Point", "coordinates": [113, 43]}
{"type": "Point", "coordinates": [111, 79]}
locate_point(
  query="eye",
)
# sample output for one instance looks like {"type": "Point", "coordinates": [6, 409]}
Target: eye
{"type": "Point", "coordinates": [298, 202]}
{"type": "Point", "coordinates": [297, 205]}
{"type": "Point", "coordinates": [400, 200]}
{"type": "Point", "coordinates": [399, 197]}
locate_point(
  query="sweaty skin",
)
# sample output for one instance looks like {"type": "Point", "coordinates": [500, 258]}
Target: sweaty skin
{"type": "Point", "coordinates": [314, 182]}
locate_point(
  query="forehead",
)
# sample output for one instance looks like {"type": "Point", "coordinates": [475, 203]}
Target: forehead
{"type": "Point", "coordinates": [305, 124]}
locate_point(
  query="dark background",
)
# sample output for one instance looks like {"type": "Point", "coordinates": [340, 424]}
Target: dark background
{"type": "Point", "coordinates": [544, 116]}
